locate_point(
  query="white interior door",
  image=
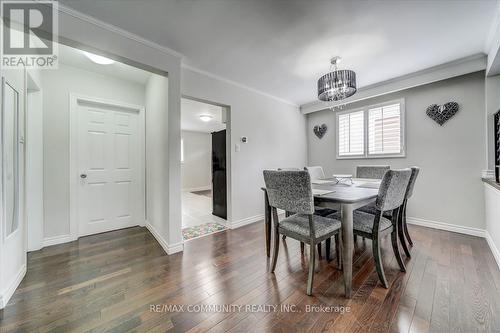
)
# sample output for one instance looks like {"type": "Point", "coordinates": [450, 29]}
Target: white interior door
{"type": "Point", "coordinates": [110, 194]}
{"type": "Point", "coordinates": [12, 231]}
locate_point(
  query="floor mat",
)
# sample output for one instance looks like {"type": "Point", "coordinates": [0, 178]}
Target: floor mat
{"type": "Point", "coordinates": [202, 230]}
{"type": "Point", "coordinates": [207, 193]}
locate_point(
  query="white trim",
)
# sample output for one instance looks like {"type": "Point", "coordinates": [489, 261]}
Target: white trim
{"type": "Point", "coordinates": [9, 291]}
{"type": "Point", "coordinates": [73, 154]}
{"type": "Point", "coordinates": [234, 83]}
{"type": "Point", "coordinates": [446, 226]}
{"type": "Point", "coordinates": [169, 249]}
{"type": "Point", "coordinates": [55, 240]}
{"type": "Point", "coordinates": [493, 248]}
{"type": "Point", "coordinates": [195, 189]}
{"type": "Point", "coordinates": [249, 220]}
{"type": "Point", "coordinates": [117, 30]}
{"type": "Point", "coordinates": [488, 174]}
{"type": "Point", "coordinates": [444, 71]}
{"type": "Point", "coordinates": [89, 19]}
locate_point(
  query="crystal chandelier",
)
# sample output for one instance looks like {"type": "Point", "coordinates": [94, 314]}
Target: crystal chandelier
{"type": "Point", "coordinates": [338, 84]}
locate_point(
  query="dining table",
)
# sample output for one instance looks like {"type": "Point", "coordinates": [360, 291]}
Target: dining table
{"type": "Point", "coordinates": [345, 197]}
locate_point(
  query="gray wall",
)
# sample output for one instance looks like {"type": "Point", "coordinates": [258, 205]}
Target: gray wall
{"type": "Point", "coordinates": [196, 170]}
{"type": "Point", "coordinates": [57, 86]}
{"type": "Point", "coordinates": [451, 157]}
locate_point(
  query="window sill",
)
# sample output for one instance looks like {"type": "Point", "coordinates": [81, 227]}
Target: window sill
{"type": "Point", "coordinates": [370, 157]}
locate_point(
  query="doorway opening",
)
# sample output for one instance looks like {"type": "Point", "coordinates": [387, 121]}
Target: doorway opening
{"type": "Point", "coordinates": [204, 167]}
{"type": "Point", "coordinates": [92, 173]}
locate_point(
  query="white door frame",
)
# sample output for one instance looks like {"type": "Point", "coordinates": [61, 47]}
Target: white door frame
{"type": "Point", "coordinates": [74, 99]}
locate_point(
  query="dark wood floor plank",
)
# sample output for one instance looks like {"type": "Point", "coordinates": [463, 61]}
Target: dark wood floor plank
{"type": "Point", "coordinates": [108, 283]}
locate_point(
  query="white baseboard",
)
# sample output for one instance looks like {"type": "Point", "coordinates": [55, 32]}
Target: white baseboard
{"type": "Point", "coordinates": [57, 240]}
{"type": "Point", "coordinates": [196, 189]}
{"type": "Point", "coordinates": [245, 221]}
{"type": "Point", "coordinates": [169, 249]}
{"type": "Point", "coordinates": [446, 226]}
{"type": "Point", "coordinates": [493, 248]}
{"type": "Point", "coordinates": [11, 288]}
{"type": "Point", "coordinates": [488, 174]}
{"type": "Point", "coordinates": [250, 220]}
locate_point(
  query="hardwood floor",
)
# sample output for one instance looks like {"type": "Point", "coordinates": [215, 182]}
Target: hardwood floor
{"type": "Point", "coordinates": [108, 283]}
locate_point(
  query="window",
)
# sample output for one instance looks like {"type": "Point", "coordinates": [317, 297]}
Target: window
{"type": "Point", "coordinates": [371, 132]}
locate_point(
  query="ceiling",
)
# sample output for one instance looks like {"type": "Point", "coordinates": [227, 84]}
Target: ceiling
{"type": "Point", "coordinates": [281, 47]}
{"type": "Point", "coordinates": [190, 116]}
{"type": "Point", "coordinates": [74, 57]}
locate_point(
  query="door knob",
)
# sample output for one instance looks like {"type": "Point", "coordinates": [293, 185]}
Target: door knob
{"type": "Point", "coordinates": [83, 176]}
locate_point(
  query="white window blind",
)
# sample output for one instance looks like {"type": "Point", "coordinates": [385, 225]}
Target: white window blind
{"type": "Point", "coordinates": [372, 132]}
{"type": "Point", "coordinates": [384, 130]}
{"type": "Point", "coordinates": [351, 133]}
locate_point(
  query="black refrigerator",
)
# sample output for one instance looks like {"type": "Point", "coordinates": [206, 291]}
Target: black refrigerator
{"type": "Point", "coordinates": [219, 175]}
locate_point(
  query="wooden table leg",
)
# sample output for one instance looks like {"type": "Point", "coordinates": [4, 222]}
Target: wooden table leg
{"type": "Point", "coordinates": [267, 220]}
{"type": "Point", "coordinates": [347, 246]}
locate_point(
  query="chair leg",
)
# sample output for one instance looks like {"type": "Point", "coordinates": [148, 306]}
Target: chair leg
{"type": "Point", "coordinates": [378, 261]}
{"type": "Point", "coordinates": [302, 247]}
{"type": "Point", "coordinates": [276, 249]}
{"type": "Point", "coordinates": [338, 250]}
{"type": "Point", "coordinates": [355, 238]}
{"type": "Point", "coordinates": [402, 236]}
{"type": "Point", "coordinates": [405, 226]}
{"type": "Point", "coordinates": [319, 250]}
{"type": "Point", "coordinates": [310, 278]}
{"type": "Point", "coordinates": [284, 237]}
{"type": "Point", "coordinates": [395, 247]}
{"type": "Point", "coordinates": [327, 248]}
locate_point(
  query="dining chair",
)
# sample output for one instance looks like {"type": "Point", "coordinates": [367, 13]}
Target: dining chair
{"type": "Point", "coordinates": [390, 197]}
{"type": "Point", "coordinates": [403, 233]}
{"type": "Point", "coordinates": [316, 172]}
{"type": "Point", "coordinates": [409, 192]}
{"type": "Point", "coordinates": [371, 171]}
{"type": "Point", "coordinates": [292, 191]}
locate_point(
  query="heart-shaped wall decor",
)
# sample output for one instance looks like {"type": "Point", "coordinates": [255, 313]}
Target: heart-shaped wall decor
{"type": "Point", "coordinates": [320, 130]}
{"type": "Point", "coordinates": [442, 113]}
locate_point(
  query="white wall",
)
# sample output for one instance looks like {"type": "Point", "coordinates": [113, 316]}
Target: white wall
{"type": "Point", "coordinates": [276, 133]}
{"type": "Point", "coordinates": [451, 157]}
{"type": "Point", "coordinates": [492, 211]}
{"type": "Point", "coordinates": [156, 164]}
{"type": "Point", "coordinates": [34, 160]}
{"type": "Point", "coordinates": [57, 86]}
{"type": "Point", "coordinates": [196, 170]}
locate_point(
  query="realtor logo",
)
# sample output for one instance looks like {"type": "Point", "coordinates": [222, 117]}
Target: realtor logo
{"type": "Point", "coordinates": [28, 34]}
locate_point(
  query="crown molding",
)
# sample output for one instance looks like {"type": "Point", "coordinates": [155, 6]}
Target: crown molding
{"type": "Point", "coordinates": [89, 19]}
{"type": "Point", "coordinates": [444, 71]}
{"type": "Point", "coordinates": [234, 83]}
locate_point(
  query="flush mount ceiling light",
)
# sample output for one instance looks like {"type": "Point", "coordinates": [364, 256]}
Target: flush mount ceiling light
{"type": "Point", "coordinates": [98, 59]}
{"type": "Point", "coordinates": [338, 84]}
{"type": "Point", "coordinates": [206, 117]}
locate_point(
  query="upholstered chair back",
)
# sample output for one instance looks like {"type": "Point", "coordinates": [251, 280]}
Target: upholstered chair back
{"type": "Point", "coordinates": [414, 173]}
{"type": "Point", "coordinates": [290, 190]}
{"type": "Point", "coordinates": [392, 189]}
{"type": "Point", "coordinates": [316, 172]}
{"type": "Point", "coordinates": [371, 171]}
